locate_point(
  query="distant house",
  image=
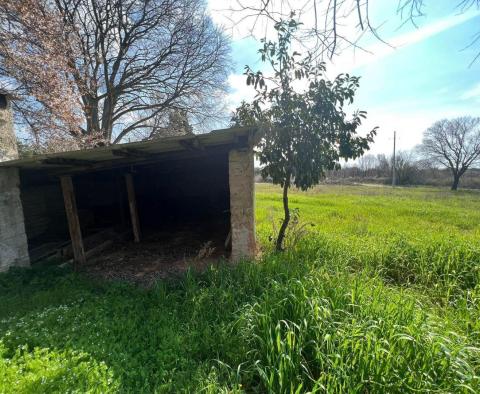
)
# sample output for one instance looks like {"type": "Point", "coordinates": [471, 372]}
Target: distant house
{"type": "Point", "coordinates": [203, 183]}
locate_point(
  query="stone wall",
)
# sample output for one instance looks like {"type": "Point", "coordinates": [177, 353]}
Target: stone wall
{"type": "Point", "coordinates": [13, 241]}
{"type": "Point", "coordinates": [242, 203]}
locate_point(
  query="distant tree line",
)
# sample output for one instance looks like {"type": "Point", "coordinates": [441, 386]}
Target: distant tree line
{"type": "Point", "coordinates": [410, 170]}
{"type": "Point", "coordinates": [449, 152]}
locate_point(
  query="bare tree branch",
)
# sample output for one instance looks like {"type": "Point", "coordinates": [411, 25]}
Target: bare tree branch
{"type": "Point", "coordinates": [338, 16]}
{"type": "Point", "coordinates": [93, 71]}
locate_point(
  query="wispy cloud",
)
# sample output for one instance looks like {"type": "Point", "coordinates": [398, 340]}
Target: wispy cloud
{"type": "Point", "coordinates": [381, 50]}
{"type": "Point", "coordinates": [433, 28]}
{"type": "Point", "coordinates": [473, 93]}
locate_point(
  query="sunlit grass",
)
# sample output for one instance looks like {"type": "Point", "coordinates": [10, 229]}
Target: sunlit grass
{"type": "Point", "coordinates": [381, 296]}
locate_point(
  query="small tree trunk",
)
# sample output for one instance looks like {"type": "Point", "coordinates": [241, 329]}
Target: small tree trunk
{"type": "Point", "coordinates": [286, 218]}
{"type": "Point", "coordinates": [456, 180]}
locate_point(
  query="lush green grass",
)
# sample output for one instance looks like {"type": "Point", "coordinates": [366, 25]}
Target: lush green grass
{"type": "Point", "coordinates": [381, 295]}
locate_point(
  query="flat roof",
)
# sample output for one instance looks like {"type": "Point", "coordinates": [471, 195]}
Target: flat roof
{"type": "Point", "coordinates": [119, 155]}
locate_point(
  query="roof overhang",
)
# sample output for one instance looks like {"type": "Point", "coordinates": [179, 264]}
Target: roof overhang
{"type": "Point", "coordinates": [135, 153]}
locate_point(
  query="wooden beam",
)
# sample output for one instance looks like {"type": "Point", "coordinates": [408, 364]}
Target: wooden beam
{"type": "Point", "coordinates": [192, 144]}
{"type": "Point", "coordinates": [130, 153]}
{"type": "Point", "coordinates": [63, 161]}
{"type": "Point", "coordinates": [73, 222]}
{"type": "Point", "coordinates": [132, 203]}
{"type": "Point", "coordinates": [154, 158]}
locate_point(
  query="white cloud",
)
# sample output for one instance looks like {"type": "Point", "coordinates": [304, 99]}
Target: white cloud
{"type": "Point", "coordinates": [408, 125]}
{"type": "Point", "coordinates": [473, 93]}
{"type": "Point", "coordinates": [239, 91]}
{"type": "Point", "coordinates": [242, 23]}
{"type": "Point", "coordinates": [349, 59]}
{"type": "Point", "coordinates": [409, 129]}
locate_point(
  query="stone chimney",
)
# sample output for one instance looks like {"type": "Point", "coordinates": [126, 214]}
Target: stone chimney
{"type": "Point", "coordinates": [8, 141]}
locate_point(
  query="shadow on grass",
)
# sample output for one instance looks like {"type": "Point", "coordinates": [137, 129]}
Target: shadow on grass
{"type": "Point", "coordinates": [166, 338]}
{"type": "Point", "coordinates": [329, 316]}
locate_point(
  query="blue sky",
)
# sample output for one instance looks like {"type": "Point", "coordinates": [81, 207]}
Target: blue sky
{"type": "Point", "coordinates": [426, 77]}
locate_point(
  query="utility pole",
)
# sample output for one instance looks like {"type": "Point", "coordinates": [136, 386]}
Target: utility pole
{"type": "Point", "coordinates": [394, 162]}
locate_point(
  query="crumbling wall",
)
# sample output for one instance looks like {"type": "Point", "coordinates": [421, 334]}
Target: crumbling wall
{"type": "Point", "coordinates": [242, 206]}
{"type": "Point", "coordinates": [13, 241]}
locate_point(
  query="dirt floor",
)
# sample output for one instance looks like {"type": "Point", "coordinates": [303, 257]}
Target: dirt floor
{"type": "Point", "coordinates": [157, 256]}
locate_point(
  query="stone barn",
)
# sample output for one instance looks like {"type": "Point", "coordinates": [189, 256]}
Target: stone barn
{"type": "Point", "coordinates": [181, 197]}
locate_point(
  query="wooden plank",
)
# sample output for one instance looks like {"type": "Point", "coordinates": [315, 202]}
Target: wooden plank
{"type": "Point", "coordinates": [154, 158]}
{"type": "Point", "coordinates": [132, 203]}
{"type": "Point", "coordinates": [62, 161]}
{"type": "Point", "coordinates": [192, 145]}
{"type": "Point", "coordinates": [130, 153]}
{"type": "Point", "coordinates": [73, 221]}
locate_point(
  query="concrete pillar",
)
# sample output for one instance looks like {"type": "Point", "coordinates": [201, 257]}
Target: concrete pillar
{"type": "Point", "coordinates": [13, 240]}
{"type": "Point", "coordinates": [242, 203]}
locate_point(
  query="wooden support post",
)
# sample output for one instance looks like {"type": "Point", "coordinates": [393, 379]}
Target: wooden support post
{"type": "Point", "coordinates": [73, 221]}
{"type": "Point", "coordinates": [132, 203]}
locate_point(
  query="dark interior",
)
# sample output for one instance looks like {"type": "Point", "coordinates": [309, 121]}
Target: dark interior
{"type": "Point", "coordinates": [188, 196]}
{"type": "Point", "coordinates": [184, 193]}
{"type": "Point", "coordinates": [44, 212]}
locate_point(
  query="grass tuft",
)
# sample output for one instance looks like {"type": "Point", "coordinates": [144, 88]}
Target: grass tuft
{"type": "Point", "coordinates": [382, 295]}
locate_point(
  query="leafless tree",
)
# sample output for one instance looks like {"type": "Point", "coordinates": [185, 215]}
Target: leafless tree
{"type": "Point", "coordinates": [337, 24]}
{"type": "Point", "coordinates": [383, 165]}
{"type": "Point", "coordinates": [407, 168]}
{"type": "Point", "coordinates": [367, 164]}
{"type": "Point", "coordinates": [96, 71]}
{"type": "Point", "coordinates": [454, 144]}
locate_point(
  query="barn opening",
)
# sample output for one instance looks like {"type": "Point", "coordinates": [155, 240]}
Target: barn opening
{"type": "Point", "coordinates": [178, 199]}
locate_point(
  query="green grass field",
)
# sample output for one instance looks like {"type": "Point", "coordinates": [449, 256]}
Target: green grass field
{"type": "Point", "coordinates": [381, 294]}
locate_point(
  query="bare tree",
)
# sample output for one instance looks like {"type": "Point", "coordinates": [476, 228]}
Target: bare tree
{"type": "Point", "coordinates": [383, 165]}
{"type": "Point", "coordinates": [333, 25]}
{"type": "Point", "coordinates": [407, 168]}
{"type": "Point", "coordinates": [454, 144]}
{"type": "Point", "coordinates": [96, 71]}
{"type": "Point", "coordinates": [367, 164]}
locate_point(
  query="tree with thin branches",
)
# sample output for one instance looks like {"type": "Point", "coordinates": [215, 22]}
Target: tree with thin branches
{"type": "Point", "coordinates": [454, 144]}
{"type": "Point", "coordinates": [92, 72]}
{"type": "Point", "coordinates": [330, 26]}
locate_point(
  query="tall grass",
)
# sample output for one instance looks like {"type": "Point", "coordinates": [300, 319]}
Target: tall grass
{"type": "Point", "coordinates": [377, 298]}
{"type": "Point", "coordinates": [337, 334]}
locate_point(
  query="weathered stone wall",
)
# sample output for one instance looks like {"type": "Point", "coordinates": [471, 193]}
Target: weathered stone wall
{"type": "Point", "coordinates": [13, 241]}
{"type": "Point", "coordinates": [242, 203]}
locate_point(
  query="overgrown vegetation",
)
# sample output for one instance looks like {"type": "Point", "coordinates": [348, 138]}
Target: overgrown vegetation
{"type": "Point", "coordinates": [381, 295]}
